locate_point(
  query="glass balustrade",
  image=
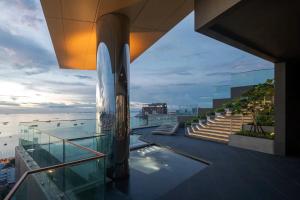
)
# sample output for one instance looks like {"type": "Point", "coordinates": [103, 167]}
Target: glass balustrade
{"type": "Point", "coordinates": [63, 169]}
{"type": "Point", "coordinates": [47, 150]}
{"type": "Point", "coordinates": [83, 180]}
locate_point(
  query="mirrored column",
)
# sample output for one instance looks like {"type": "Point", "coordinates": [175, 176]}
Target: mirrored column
{"type": "Point", "coordinates": [112, 93]}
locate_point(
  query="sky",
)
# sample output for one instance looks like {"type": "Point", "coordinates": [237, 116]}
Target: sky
{"type": "Point", "coordinates": [182, 68]}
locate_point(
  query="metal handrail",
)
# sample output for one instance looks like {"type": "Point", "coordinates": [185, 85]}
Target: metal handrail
{"type": "Point", "coordinates": [76, 162]}
{"type": "Point", "coordinates": [86, 137]}
{"type": "Point", "coordinates": [56, 120]}
{"type": "Point", "coordinates": [27, 173]}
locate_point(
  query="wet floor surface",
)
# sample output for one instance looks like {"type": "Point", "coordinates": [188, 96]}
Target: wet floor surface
{"type": "Point", "coordinates": [154, 171]}
{"type": "Point", "coordinates": [234, 173]}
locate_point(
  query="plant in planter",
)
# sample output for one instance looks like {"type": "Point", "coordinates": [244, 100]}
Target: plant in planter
{"type": "Point", "coordinates": [202, 117]}
{"type": "Point", "coordinates": [265, 120]}
{"type": "Point", "coordinates": [188, 123]}
{"type": "Point", "coordinates": [220, 110]}
{"type": "Point", "coordinates": [256, 101]}
{"type": "Point", "coordinates": [212, 113]}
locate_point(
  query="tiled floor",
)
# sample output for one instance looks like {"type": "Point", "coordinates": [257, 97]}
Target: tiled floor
{"type": "Point", "coordinates": [234, 173]}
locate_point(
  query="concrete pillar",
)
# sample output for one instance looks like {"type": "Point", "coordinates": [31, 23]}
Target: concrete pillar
{"type": "Point", "coordinates": [112, 94]}
{"type": "Point", "coordinates": [287, 109]}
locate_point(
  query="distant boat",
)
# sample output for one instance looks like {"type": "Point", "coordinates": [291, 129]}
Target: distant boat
{"type": "Point", "coordinates": [75, 124]}
{"type": "Point", "coordinates": [5, 123]}
{"type": "Point", "coordinates": [81, 123]}
{"type": "Point", "coordinates": [58, 124]}
{"type": "Point", "coordinates": [32, 126]}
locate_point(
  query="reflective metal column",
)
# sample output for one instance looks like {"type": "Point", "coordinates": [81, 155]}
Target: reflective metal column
{"type": "Point", "coordinates": [112, 95]}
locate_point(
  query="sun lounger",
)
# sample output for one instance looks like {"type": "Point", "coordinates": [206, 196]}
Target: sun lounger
{"type": "Point", "coordinates": [166, 129]}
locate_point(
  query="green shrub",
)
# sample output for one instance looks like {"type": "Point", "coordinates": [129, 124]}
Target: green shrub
{"type": "Point", "coordinates": [212, 113]}
{"type": "Point", "coordinates": [220, 110]}
{"type": "Point", "coordinates": [265, 135]}
{"type": "Point", "coordinates": [265, 120]}
{"type": "Point", "coordinates": [188, 123]}
{"type": "Point", "coordinates": [202, 117]}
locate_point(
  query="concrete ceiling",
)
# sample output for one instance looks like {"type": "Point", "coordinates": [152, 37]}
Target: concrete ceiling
{"type": "Point", "coordinates": [268, 29]}
{"type": "Point", "coordinates": [71, 24]}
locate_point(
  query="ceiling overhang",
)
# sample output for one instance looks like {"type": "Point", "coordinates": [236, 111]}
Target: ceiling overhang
{"type": "Point", "coordinates": [71, 24]}
{"type": "Point", "coordinates": [267, 29]}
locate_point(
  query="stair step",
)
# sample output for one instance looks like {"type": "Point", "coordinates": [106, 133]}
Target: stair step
{"type": "Point", "coordinates": [219, 129]}
{"type": "Point", "coordinates": [223, 128]}
{"type": "Point", "coordinates": [197, 127]}
{"type": "Point", "coordinates": [214, 139]}
{"type": "Point", "coordinates": [217, 135]}
{"type": "Point", "coordinates": [212, 131]}
{"type": "Point", "coordinates": [223, 124]}
{"type": "Point", "coordinates": [229, 120]}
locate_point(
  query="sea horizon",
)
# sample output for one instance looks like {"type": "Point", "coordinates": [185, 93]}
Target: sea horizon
{"type": "Point", "coordinates": [10, 129]}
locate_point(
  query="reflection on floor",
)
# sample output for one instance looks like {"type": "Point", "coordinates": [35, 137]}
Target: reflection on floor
{"type": "Point", "coordinates": [155, 170]}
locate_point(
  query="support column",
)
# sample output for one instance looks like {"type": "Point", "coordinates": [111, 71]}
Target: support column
{"type": "Point", "coordinates": [112, 94]}
{"type": "Point", "coordinates": [287, 109]}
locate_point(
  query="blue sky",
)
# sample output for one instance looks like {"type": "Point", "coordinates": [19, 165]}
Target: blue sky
{"type": "Point", "coordinates": [182, 68]}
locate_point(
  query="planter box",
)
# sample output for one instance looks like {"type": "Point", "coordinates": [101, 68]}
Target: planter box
{"type": "Point", "coordinates": [269, 129]}
{"type": "Point", "coordinates": [252, 143]}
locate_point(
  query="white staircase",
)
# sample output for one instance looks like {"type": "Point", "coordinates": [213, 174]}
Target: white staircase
{"type": "Point", "coordinates": [219, 129]}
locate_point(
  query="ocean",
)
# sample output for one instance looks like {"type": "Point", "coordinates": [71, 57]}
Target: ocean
{"type": "Point", "coordinates": [10, 126]}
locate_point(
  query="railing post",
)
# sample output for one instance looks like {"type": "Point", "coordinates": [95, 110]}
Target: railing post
{"type": "Point", "coordinates": [64, 170]}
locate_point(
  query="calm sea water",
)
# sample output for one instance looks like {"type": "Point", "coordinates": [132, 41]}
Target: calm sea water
{"type": "Point", "coordinates": [10, 126]}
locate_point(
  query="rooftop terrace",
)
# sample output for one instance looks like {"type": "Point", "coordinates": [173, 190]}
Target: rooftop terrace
{"type": "Point", "coordinates": [233, 173]}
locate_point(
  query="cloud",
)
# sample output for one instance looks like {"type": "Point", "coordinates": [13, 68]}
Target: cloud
{"type": "Point", "coordinates": [8, 103]}
{"type": "Point", "coordinates": [64, 83]}
{"type": "Point", "coordinates": [47, 108]}
{"type": "Point", "coordinates": [219, 74]}
{"type": "Point", "coordinates": [25, 4]}
{"type": "Point", "coordinates": [182, 68]}
{"type": "Point", "coordinates": [83, 77]}
{"type": "Point", "coordinates": [32, 21]}
{"type": "Point", "coordinates": [24, 54]}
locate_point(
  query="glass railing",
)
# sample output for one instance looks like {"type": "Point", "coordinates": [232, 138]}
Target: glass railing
{"type": "Point", "coordinates": [221, 91]}
{"type": "Point", "coordinates": [99, 143]}
{"type": "Point", "coordinates": [63, 128]}
{"type": "Point", "coordinates": [47, 150]}
{"type": "Point", "coordinates": [187, 110]}
{"type": "Point", "coordinates": [152, 120]}
{"type": "Point", "coordinates": [59, 168]}
{"type": "Point", "coordinates": [157, 120]}
{"type": "Point", "coordinates": [83, 179]}
{"type": "Point", "coordinates": [253, 77]}
{"type": "Point", "coordinates": [69, 129]}
{"type": "Point", "coordinates": [241, 79]}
